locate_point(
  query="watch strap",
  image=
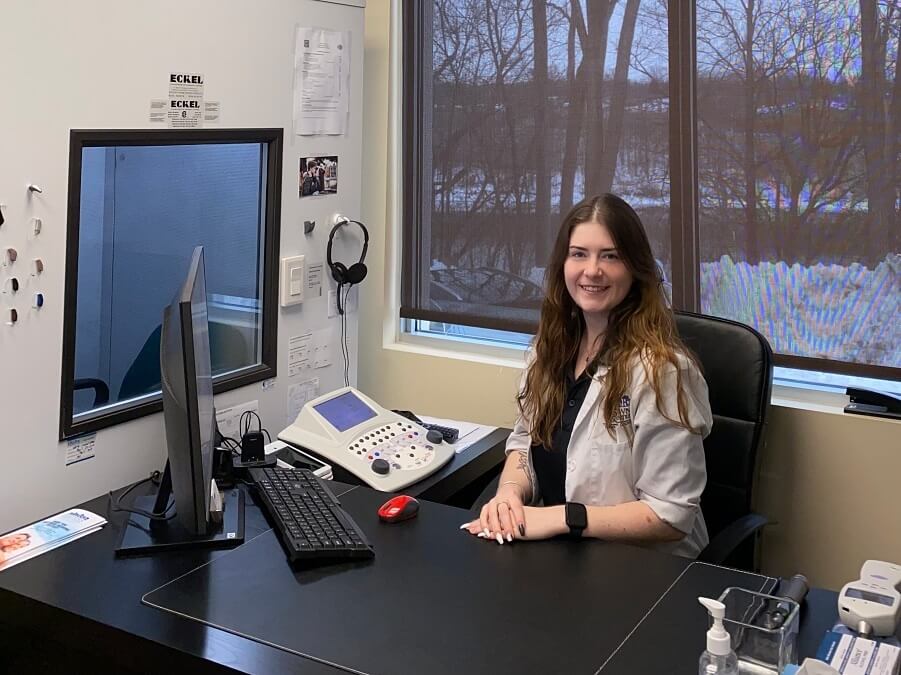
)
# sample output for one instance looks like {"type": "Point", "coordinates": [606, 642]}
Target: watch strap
{"type": "Point", "coordinates": [576, 519]}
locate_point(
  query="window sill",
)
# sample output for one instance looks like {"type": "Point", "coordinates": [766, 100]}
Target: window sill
{"type": "Point", "coordinates": [783, 395]}
{"type": "Point", "coordinates": [813, 400]}
{"type": "Point", "coordinates": [459, 349]}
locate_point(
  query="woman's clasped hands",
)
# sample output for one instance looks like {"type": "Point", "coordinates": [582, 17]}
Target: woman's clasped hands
{"type": "Point", "coordinates": [505, 518]}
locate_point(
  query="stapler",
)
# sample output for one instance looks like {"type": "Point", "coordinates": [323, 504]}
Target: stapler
{"type": "Point", "coordinates": [865, 402]}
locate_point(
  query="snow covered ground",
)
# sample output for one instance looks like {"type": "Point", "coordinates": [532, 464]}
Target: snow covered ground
{"type": "Point", "coordinates": [826, 311]}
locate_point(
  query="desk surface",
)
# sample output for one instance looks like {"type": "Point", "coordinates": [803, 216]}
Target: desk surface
{"type": "Point", "coordinates": [434, 600]}
{"type": "Point", "coordinates": [470, 606]}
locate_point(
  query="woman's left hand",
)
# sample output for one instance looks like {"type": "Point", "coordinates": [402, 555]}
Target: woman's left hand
{"type": "Point", "coordinates": [541, 522]}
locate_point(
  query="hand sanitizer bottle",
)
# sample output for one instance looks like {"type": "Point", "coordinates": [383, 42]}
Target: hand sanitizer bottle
{"type": "Point", "coordinates": [718, 659]}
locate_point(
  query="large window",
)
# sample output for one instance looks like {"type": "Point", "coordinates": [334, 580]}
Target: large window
{"type": "Point", "coordinates": [757, 139]}
{"type": "Point", "coordinates": [139, 202]}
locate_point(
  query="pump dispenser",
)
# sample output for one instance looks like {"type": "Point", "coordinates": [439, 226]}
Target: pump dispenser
{"type": "Point", "coordinates": [718, 659]}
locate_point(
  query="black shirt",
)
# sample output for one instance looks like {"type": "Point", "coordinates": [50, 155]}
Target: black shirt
{"type": "Point", "coordinates": [550, 463]}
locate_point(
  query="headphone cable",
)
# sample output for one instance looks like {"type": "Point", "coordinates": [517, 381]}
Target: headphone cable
{"type": "Point", "coordinates": [345, 350]}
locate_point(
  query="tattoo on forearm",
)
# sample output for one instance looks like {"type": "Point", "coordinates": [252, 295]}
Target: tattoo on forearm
{"type": "Point", "coordinates": [523, 466]}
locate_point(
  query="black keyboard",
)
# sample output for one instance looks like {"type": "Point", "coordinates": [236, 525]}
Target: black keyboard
{"type": "Point", "coordinates": [309, 518]}
{"type": "Point", "coordinates": [448, 434]}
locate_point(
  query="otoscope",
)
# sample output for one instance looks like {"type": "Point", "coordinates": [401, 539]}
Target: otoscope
{"type": "Point", "coordinates": [795, 589]}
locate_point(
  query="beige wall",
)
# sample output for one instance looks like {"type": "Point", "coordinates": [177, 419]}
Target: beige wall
{"type": "Point", "coordinates": [829, 481]}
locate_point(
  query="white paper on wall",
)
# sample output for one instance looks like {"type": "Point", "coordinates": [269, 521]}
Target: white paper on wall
{"type": "Point", "coordinates": [80, 449]}
{"type": "Point", "coordinates": [314, 280]}
{"type": "Point", "coordinates": [185, 102]}
{"type": "Point", "coordinates": [321, 81]}
{"type": "Point", "coordinates": [299, 353]}
{"type": "Point", "coordinates": [323, 340]}
{"type": "Point", "coordinates": [299, 394]}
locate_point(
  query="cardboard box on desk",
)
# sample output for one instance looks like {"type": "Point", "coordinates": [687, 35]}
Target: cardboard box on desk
{"type": "Point", "coordinates": [852, 655]}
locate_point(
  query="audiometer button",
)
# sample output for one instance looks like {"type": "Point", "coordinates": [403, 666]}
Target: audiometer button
{"type": "Point", "coordinates": [381, 466]}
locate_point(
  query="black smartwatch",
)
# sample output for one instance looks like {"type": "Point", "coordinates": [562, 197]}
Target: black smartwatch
{"type": "Point", "coordinates": [576, 519]}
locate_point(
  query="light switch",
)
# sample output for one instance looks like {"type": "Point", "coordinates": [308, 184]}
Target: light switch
{"type": "Point", "coordinates": [292, 280]}
{"type": "Point", "coordinates": [296, 287]}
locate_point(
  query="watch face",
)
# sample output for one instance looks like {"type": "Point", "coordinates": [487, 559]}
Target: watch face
{"type": "Point", "coordinates": [576, 516]}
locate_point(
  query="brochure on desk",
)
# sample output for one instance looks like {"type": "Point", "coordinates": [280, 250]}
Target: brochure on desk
{"type": "Point", "coordinates": [46, 535]}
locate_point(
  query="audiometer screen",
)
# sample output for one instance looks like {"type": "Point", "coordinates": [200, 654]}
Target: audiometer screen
{"type": "Point", "coordinates": [345, 411]}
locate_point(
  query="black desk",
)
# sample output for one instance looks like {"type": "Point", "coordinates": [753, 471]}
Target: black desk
{"type": "Point", "coordinates": [556, 606]}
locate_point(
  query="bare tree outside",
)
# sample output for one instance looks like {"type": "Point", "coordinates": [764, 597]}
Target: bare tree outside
{"type": "Point", "coordinates": [537, 103]}
{"type": "Point", "coordinates": [798, 146]}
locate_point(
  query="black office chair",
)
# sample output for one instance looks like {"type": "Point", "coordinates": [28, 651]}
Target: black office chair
{"type": "Point", "coordinates": [101, 390]}
{"type": "Point", "coordinates": [228, 347]}
{"type": "Point", "coordinates": [738, 365]}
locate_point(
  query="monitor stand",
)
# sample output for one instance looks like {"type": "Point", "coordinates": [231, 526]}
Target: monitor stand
{"type": "Point", "coordinates": [141, 535]}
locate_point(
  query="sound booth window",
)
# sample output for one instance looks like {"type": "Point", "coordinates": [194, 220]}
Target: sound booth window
{"type": "Point", "coordinates": [139, 202]}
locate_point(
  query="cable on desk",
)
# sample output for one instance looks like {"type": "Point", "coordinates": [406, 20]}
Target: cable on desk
{"type": "Point", "coordinates": [245, 422]}
{"type": "Point", "coordinates": [115, 502]}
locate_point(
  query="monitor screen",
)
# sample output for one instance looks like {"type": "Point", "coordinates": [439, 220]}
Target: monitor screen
{"type": "Point", "coordinates": [187, 388]}
{"type": "Point", "coordinates": [345, 411]}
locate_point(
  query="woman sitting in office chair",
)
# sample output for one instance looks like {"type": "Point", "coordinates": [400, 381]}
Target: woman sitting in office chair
{"type": "Point", "coordinates": [613, 407]}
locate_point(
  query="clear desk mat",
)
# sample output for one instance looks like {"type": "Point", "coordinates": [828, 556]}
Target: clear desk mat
{"type": "Point", "coordinates": [671, 637]}
{"type": "Point", "coordinates": [435, 600]}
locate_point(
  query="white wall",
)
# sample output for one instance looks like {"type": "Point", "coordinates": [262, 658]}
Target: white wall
{"type": "Point", "coordinates": [97, 64]}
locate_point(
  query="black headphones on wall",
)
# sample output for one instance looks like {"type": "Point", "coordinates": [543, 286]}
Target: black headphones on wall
{"type": "Point", "coordinates": [341, 273]}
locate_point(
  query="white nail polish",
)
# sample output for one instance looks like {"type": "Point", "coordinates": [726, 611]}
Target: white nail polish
{"type": "Point", "coordinates": [481, 535]}
{"type": "Point", "coordinates": [487, 533]}
{"type": "Point", "coordinates": [464, 526]}
{"type": "Point", "coordinates": [509, 537]}
{"type": "Point", "coordinates": [500, 538]}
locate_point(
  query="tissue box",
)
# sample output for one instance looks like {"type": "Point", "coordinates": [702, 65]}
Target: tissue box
{"type": "Point", "coordinates": [853, 655]}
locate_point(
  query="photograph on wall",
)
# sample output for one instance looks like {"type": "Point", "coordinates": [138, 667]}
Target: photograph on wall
{"type": "Point", "coordinates": [318, 176]}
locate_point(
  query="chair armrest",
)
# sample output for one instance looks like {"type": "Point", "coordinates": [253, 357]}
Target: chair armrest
{"type": "Point", "coordinates": [101, 390]}
{"type": "Point", "coordinates": [728, 539]}
{"type": "Point", "coordinates": [485, 496]}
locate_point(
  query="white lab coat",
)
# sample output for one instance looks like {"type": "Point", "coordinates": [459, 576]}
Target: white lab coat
{"type": "Point", "coordinates": [647, 458]}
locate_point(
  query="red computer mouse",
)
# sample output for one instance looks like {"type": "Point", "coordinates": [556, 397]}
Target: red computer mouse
{"type": "Point", "coordinates": [398, 508]}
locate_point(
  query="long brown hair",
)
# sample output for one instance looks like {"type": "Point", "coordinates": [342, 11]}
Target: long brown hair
{"type": "Point", "coordinates": [641, 327]}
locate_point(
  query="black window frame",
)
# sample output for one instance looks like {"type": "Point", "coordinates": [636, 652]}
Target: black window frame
{"type": "Point", "coordinates": [273, 138]}
{"type": "Point", "coordinates": [684, 196]}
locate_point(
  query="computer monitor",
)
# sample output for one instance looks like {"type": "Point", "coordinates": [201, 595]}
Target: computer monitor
{"type": "Point", "coordinates": [190, 425]}
{"type": "Point", "coordinates": [187, 386]}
